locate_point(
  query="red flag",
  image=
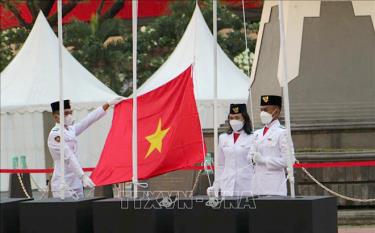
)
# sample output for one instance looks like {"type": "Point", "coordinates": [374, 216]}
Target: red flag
{"type": "Point", "coordinates": [169, 134]}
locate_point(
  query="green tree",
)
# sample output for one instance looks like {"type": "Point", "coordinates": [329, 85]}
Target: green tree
{"type": "Point", "coordinates": [89, 43]}
{"type": "Point", "coordinates": [158, 38]}
{"type": "Point", "coordinates": [11, 41]}
{"type": "Point", "coordinates": [104, 45]}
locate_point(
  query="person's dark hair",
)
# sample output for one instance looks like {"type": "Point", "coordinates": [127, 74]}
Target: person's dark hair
{"type": "Point", "coordinates": [247, 124]}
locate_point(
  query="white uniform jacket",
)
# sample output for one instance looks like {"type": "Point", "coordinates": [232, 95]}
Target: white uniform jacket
{"type": "Point", "coordinates": [73, 170]}
{"type": "Point", "coordinates": [234, 172]}
{"type": "Point", "coordinates": [270, 178]}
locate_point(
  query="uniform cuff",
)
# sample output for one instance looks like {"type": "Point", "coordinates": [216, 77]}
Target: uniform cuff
{"type": "Point", "coordinates": [100, 111]}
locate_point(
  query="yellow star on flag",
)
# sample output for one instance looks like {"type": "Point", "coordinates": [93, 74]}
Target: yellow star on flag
{"type": "Point", "coordinates": [156, 139]}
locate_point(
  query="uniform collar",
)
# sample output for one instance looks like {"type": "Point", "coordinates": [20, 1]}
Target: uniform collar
{"type": "Point", "coordinates": [239, 132]}
{"type": "Point", "coordinates": [58, 126]}
{"type": "Point", "coordinates": [274, 123]}
{"type": "Point", "coordinates": [239, 139]}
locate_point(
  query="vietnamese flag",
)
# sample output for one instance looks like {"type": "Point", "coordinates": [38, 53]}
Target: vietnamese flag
{"type": "Point", "coordinates": [169, 134]}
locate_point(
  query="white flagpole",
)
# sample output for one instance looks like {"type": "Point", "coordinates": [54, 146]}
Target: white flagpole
{"type": "Point", "coordinates": [135, 141]}
{"type": "Point", "coordinates": [61, 103]}
{"type": "Point", "coordinates": [286, 98]}
{"type": "Point", "coordinates": [216, 136]}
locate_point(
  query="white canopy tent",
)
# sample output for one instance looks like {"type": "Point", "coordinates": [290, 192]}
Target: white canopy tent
{"type": "Point", "coordinates": [29, 84]}
{"type": "Point", "coordinates": [196, 47]}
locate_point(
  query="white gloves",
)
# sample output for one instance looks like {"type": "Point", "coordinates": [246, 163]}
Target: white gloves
{"type": "Point", "coordinates": [87, 182]}
{"type": "Point", "coordinates": [258, 158]}
{"type": "Point", "coordinates": [211, 191]}
{"type": "Point", "coordinates": [115, 101]}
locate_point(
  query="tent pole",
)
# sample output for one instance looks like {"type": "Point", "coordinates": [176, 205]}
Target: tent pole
{"type": "Point", "coordinates": [134, 136]}
{"type": "Point", "coordinates": [286, 98]}
{"type": "Point", "coordinates": [61, 103]}
{"type": "Point", "coordinates": [216, 136]}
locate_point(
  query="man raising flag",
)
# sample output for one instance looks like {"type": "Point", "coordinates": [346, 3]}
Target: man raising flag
{"type": "Point", "coordinates": [169, 134]}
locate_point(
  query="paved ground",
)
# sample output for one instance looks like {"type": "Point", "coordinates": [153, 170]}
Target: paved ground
{"type": "Point", "coordinates": [358, 229]}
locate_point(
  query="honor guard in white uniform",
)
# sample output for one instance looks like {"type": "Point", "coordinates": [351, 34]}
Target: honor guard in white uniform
{"type": "Point", "coordinates": [74, 176]}
{"type": "Point", "coordinates": [269, 151]}
{"type": "Point", "coordinates": [233, 172]}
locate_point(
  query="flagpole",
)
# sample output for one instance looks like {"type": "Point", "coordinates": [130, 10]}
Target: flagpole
{"type": "Point", "coordinates": [286, 98]}
{"type": "Point", "coordinates": [216, 139]}
{"type": "Point", "coordinates": [135, 141]}
{"type": "Point", "coordinates": [61, 101]}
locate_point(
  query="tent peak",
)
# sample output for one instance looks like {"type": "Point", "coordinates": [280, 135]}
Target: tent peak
{"type": "Point", "coordinates": [30, 82]}
{"type": "Point", "coordinates": [196, 47]}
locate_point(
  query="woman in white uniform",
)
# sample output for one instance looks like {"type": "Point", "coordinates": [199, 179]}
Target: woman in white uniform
{"type": "Point", "coordinates": [270, 150]}
{"type": "Point", "coordinates": [234, 172]}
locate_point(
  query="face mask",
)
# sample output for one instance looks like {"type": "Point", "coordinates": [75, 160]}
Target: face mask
{"type": "Point", "coordinates": [236, 125]}
{"type": "Point", "coordinates": [68, 120]}
{"type": "Point", "coordinates": [265, 117]}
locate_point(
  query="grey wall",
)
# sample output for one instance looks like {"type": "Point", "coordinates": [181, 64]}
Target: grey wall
{"type": "Point", "coordinates": [336, 82]}
{"type": "Point", "coordinates": [265, 79]}
{"type": "Point", "coordinates": [337, 68]}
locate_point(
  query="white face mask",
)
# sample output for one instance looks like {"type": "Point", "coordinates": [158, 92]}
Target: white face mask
{"type": "Point", "coordinates": [68, 120]}
{"type": "Point", "coordinates": [236, 125]}
{"type": "Point", "coordinates": [265, 117]}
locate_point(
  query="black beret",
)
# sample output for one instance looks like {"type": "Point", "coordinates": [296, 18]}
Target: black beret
{"type": "Point", "coordinates": [270, 100]}
{"type": "Point", "coordinates": [55, 106]}
{"type": "Point", "coordinates": [237, 108]}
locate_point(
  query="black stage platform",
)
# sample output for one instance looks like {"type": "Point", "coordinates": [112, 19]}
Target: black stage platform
{"type": "Point", "coordinates": [128, 215]}
{"type": "Point", "coordinates": [199, 214]}
{"type": "Point", "coordinates": [178, 214]}
{"type": "Point", "coordinates": [9, 219]}
{"type": "Point", "coordinates": [53, 215]}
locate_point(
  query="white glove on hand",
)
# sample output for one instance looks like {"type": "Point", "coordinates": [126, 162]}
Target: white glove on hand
{"type": "Point", "coordinates": [258, 158]}
{"type": "Point", "coordinates": [87, 182]}
{"type": "Point", "coordinates": [211, 191]}
{"type": "Point", "coordinates": [115, 101]}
